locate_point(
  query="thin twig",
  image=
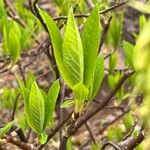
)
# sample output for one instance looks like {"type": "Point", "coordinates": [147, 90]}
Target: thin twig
{"type": "Point", "coordinates": [112, 144]}
{"type": "Point", "coordinates": [131, 131]}
{"type": "Point", "coordinates": [92, 135]}
{"type": "Point", "coordinates": [104, 32]}
{"type": "Point", "coordinates": [86, 15]}
{"type": "Point", "coordinates": [22, 145]}
{"type": "Point", "coordinates": [13, 14]}
{"type": "Point", "coordinates": [104, 102]}
{"type": "Point", "coordinates": [106, 126]}
{"type": "Point", "coordinates": [62, 97]}
{"type": "Point", "coordinates": [15, 106]}
{"type": "Point", "coordinates": [56, 129]}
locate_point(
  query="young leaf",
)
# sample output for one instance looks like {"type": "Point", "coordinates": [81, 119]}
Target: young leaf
{"type": "Point", "coordinates": [68, 103]}
{"type": "Point", "coordinates": [142, 22]}
{"type": "Point", "coordinates": [113, 61]}
{"type": "Point", "coordinates": [6, 128]}
{"type": "Point", "coordinates": [29, 80]}
{"type": "Point", "coordinates": [90, 41]}
{"type": "Point", "coordinates": [80, 91]}
{"type": "Point", "coordinates": [57, 43]}
{"type": "Point", "coordinates": [36, 109]}
{"type": "Point", "coordinates": [14, 45]}
{"type": "Point", "coordinates": [128, 121]}
{"type": "Point", "coordinates": [22, 121]}
{"type": "Point", "coordinates": [50, 103]}
{"type": "Point", "coordinates": [142, 50]}
{"type": "Point", "coordinates": [115, 30]}
{"type": "Point", "coordinates": [128, 48]}
{"type": "Point", "coordinates": [98, 77]}
{"type": "Point", "coordinates": [81, 94]}
{"type": "Point", "coordinates": [5, 41]}
{"type": "Point", "coordinates": [43, 138]}
{"type": "Point", "coordinates": [73, 51]}
{"type": "Point", "coordinates": [69, 144]}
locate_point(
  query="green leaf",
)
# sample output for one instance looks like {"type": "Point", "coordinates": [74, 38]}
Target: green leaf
{"type": "Point", "coordinates": [69, 144]}
{"type": "Point", "coordinates": [81, 94]}
{"type": "Point", "coordinates": [22, 121]}
{"type": "Point", "coordinates": [115, 30]}
{"type": "Point", "coordinates": [57, 43]}
{"type": "Point", "coordinates": [68, 103]}
{"type": "Point", "coordinates": [43, 138]}
{"type": "Point", "coordinates": [14, 45]}
{"type": "Point", "coordinates": [29, 80]}
{"type": "Point", "coordinates": [98, 77]}
{"type": "Point", "coordinates": [142, 50]}
{"type": "Point", "coordinates": [50, 103]}
{"type": "Point", "coordinates": [140, 6]}
{"type": "Point", "coordinates": [113, 79]}
{"type": "Point", "coordinates": [6, 128]}
{"type": "Point", "coordinates": [90, 41]}
{"type": "Point", "coordinates": [73, 51]}
{"type": "Point", "coordinates": [128, 121]}
{"type": "Point", "coordinates": [59, 2]}
{"type": "Point", "coordinates": [36, 109]}
{"type": "Point", "coordinates": [128, 48]}
{"type": "Point", "coordinates": [24, 91]}
{"type": "Point", "coordinates": [5, 41]}
{"type": "Point", "coordinates": [142, 22]}
{"type": "Point", "coordinates": [113, 59]}
{"type": "Point", "coordinates": [80, 91]}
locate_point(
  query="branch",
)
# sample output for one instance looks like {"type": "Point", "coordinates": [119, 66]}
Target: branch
{"type": "Point", "coordinates": [92, 135]}
{"type": "Point", "coordinates": [86, 15]}
{"type": "Point", "coordinates": [87, 116]}
{"type": "Point", "coordinates": [12, 14]}
{"type": "Point", "coordinates": [112, 144]}
{"type": "Point", "coordinates": [15, 106]}
{"type": "Point", "coordinates": [57, 128]}
{"type": "Point", "coordinates": [126, 110]}
{"type": "Point", "coordinates": [22, 145]}
{"type": "Point", "coordinates": [104, 32]}
{"type": "Point", "coordinates": [132, 142]}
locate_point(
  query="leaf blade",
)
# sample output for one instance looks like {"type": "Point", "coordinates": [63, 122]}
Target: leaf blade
{"type": "Point", "coordinates": [90, 40]}
{"type": "Point", "coordinates": [50, 103]}
{"type": "Point", "coordinates": [73, 51]}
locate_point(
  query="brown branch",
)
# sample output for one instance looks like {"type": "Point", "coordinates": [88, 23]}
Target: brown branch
{"type": "Point", "coordinates": [56, 129]}
{"type": "Point", "coordinates": [11, 13]}
{"type": "Point", "coordinates": [15, 106]}
{"type": "Point", "coordinates": [132, 142]}
{"type": "Point", "coordinates": [126, 110]}
{"type": "Point", "coordinates": [86, 15]}
{"type": "Point", "coordinates": [104, 102]}
{"type": "Point", "coordinates": [92, 135]}
{"type": "Point", "coordinates": [21, 135]}
{"type": "Point", "coordinates": [62, 97]}
{"type": "Point", "coordinates": [115, 146]}
{"type": "Point", "coordinates": [22, 145]}
{"type": "Point", "coordinates": [36, 13]}
{"type": "Point", "coordinates": [40, 48]}
{"type": "Point", "coordinates": [104, 33]}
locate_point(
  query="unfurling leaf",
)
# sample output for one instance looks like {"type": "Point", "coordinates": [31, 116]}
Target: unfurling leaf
{"type": "Point", "coordinates": [68, 103]}
{"type": "Point", "coordinates": [128, 48]}
{"type": "Point", "coordinates": [14, 45]}
{"type": "Point", "coordinates": [50, 102]}
{"type": "Point", "coordinates": [98, 77]}
{"type": "Point", "coordinates": [43, 138]}
{"type": "Point", "coordinates": [6, 128]}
